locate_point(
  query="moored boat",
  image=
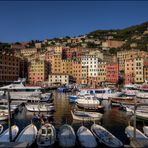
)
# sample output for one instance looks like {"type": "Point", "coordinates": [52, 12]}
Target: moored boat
{"type": "Point", "coordinates": [4, 137]}
{"type": "Point", "coordinates": [66, 136]}
{"type": "Point", "coordinates": [89, 102]}
{"type": "Point", "coordinates": [3, 116]}
{"type": "Point", "coordinates": [1, 128]}
{"type": "Point", "coordinates": [86, 138]}
{"type": "Point", "coordinates": [129, 130]}
{"type": "Point", "coordinates": [104, 136]}
{"type": "Point", "coordinates": [86, 116]}
{"type": "Point", "coordinates": [123, 100]}
{"type": "Point", "coordinates": [39, 107]}
{"type": "Point", "coordinates": [28, 134]}
{"type": "Point", "coordinates": [46, 136]}
{"type": "Point", "coordinates": [145, 130]}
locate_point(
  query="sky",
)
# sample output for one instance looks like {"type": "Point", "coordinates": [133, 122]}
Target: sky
{"type": "Point", "coordinates": [39, 20]}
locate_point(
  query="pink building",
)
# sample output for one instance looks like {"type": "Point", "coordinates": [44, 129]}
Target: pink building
{"type": "Point", "coordinates": [129, 71]}
{"type": "Point", "coordinates": [112, 73]}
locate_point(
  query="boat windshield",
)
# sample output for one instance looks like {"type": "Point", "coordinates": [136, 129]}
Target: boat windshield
{"type": "Point", "coordinates": [43, 131]}
{"type": "Point", "coordinates": [100, 91]}
{"type": "Point", "coordinates": [48, 131]}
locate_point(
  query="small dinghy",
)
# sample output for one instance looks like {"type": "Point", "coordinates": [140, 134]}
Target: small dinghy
{"type": "Point", "coordinates": [46, 136]}
{"type": "Point", "coordinates": [86, 138]}
{"type": "Point", "coordinates": [105, 136]}
{"type": "Point", "coordinates": [129, 130]}
{"type": "Point", "coordinates": [1, 128]}
{"type": "Point", "coordinates": [28, 134]}
{"type": "Point", "coordinates": [145, 130]}
{"type": "Point", "coordinates": [66, 136]}
{"type": "Point", "coordinates": [39, 107]}
{"type": "Point", "coordinates": [86, 116]}
{"type": "Point", "coordinates": [4, 137]}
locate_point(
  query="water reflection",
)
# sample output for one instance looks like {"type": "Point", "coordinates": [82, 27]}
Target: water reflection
{"type": "Point", "coordinates": [113, 120]}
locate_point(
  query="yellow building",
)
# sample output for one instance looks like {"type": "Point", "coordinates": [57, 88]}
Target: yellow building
{"type": "Point", "coordinates": [138, 70]}
{"type": "Point", "coordinates": [65, 67]}
{"type": "Point", "coordinates": [58, 49]}
{"type": "Point", "coordinates": [38, 71]}
{"type": "Point", "coordinates": [28, 51]}
{"type": "Point", "coordinates": [58, 78]}
{"type": "Point", "coordinates": [101, 72]}
{"type": "Point", "coordinates": [128, 54]}
{"type": "Point", "coordinates": [56, 63]}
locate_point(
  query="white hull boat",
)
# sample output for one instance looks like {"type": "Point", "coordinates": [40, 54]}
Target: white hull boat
{"type": "Point", "coordinates": [104, 136]}
{"type": "Point", "coordinates": [39, 107]}
{"type": "Point", "coordinates": [86, 116]}
{"type": "Point", "coordinates": [1, 128]}
{"type": "Point", "coordinates": [46, 136]}
{"type": "Point", "coordinates": [89, 102]}
{"type": "Point", "coordinates": [66, 136]}
{"type": "Point", "coordinates": [142, 95]}
{"type": "Point", "coordinates": [4, 137]}
{"type": "Point", "coordinates": [3, 116]}
{"type": "Point", "coordinates": [129, 130]}
{"type": "Point", "coordinates": [86, 138]}
{"type": "Point", "coordinates": [145, 129]}
{"type": "Point", "coordinates": [28, 134]}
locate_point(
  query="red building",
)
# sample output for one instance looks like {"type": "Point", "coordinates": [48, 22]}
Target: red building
{"type": "Point", "coordinates": [70, 53]}
{"type": "Point", "coordinates": [112, 73]}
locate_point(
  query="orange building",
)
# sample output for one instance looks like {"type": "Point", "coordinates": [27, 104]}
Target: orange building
{"type": "Point", "coordinates": [77, 71]}
{"type": "Point", "coordinates": [38, 71]}
{"type": "Point", "coordinates": [129, 71]}
{"type": "Point", "coordinates": [56, 60]}
{"type": "Point", "coordinates": [101, 72]}
{"type": "Point", "coordinates": [9, 67]}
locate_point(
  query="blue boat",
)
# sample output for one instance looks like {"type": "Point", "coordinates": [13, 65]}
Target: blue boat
{"type": "Point", "coordinates": [72, 98]}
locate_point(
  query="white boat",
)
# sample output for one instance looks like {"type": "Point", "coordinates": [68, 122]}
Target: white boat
{"type": "Point", "coordinates": [3, 116]}
{"type": "Point", "coordinates": [46, 97]}
{"type": "Point", "coordinates": [129, 131]}
{"type": "Point", "coordinates": [145, 130]}
{"type": "Point", "coordinates": [39, 107]}
{"type": "Point", "coordinates": [141, 112]}
{"type": "Point", "coordinates": [18, 90]}
{"type": "Point", "coordinates": [1, 128]}
{"type": "Point", "coordinates": [143, 95]}
{"type": "Point", "coordinates": [130, 90]}
{"type": "Point", "coordinates": [104, 136]}
{"type": "Point", "coordinates": [28, 134]}
{"type": "Point", "coordinates": [66, 136]}
{"type": "Point", "coordinates": [86, 138]}
{"type": "Point", "coordinates": [4, 137]}
{"type": "Point", "coordinates": [89, 102]}
{"type": "Point", "coordinates": [103, 93]}
{"type": "Point", "coordinates": [86, 116]}
{"type": "Point", "coordinates": [46, 136]}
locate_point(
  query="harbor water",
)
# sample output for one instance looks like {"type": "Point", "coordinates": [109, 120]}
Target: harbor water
{"type": "Point", "coordinates": [113, 119]}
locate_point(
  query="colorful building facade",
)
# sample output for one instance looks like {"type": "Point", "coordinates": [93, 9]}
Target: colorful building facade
{"type": "Point", "coordinates": [112, 73]}
{"type": "Point", "coordinates": [129, 71]}
{"type": "Point", "coordinates": [38, 71]}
